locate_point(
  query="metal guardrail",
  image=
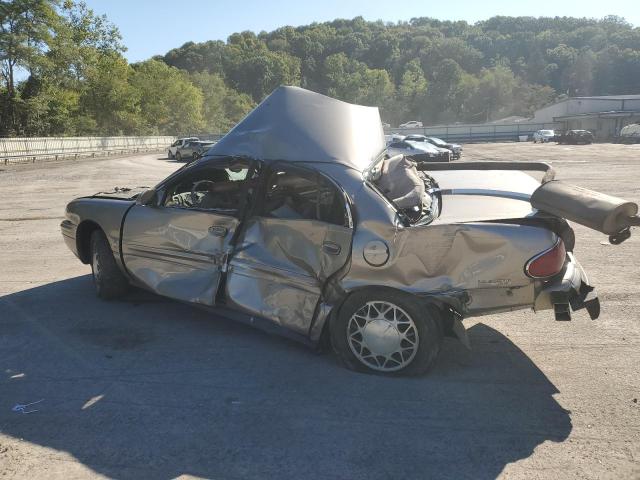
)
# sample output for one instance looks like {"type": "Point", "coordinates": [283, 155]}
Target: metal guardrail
{"type": "Point", "coordinates": [470, 133]}
{"type": "Point", "coordinates": [32, 149]}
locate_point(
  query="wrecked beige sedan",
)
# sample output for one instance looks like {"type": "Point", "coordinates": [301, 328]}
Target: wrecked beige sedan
{"type": "Point", "coordinates": [298, 221]}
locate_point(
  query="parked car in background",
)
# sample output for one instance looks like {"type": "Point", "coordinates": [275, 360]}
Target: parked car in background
{"type": "Point", "coordinates": [394, 137]}
{"type": "Point", "coordinates": [454, 148]}
{"type": "Point", "coordinates": [419, 151]}
{"type": "Point", "coordinates": [193, 150]}
{"type": "Point", "coordinates": [629, 134]}
{"type": "Point", "coordinates": [543, 136]}
{"type": "Point", "coordinates": [575, 137]}
{"type": "Point", "coordinates": [179, 143]}
{"type": "Point", "coordinates": [411, 124]}
{"type": "Point", "coordinates": [305, 225]}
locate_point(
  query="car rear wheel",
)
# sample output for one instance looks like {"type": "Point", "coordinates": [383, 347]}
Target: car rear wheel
{"type": "Point", "coordinates": [108, 279]}
{"type": "Point", "coordinates": [386, 332]}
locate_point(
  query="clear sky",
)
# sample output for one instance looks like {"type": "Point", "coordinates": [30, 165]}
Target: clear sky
{"type": "Point", "coordinates": [151, 27]}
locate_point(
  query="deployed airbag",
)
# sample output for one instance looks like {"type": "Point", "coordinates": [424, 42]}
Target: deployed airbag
{"type": "Point", "coordinates": [401, 183]}
{"type": "Point", "coordinates": [604, 213]}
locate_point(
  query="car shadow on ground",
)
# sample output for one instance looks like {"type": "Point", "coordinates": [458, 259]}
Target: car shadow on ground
{"type": "Point", "coordinates": [172, 160]}
{"type": "Point", "coordinates": [152, 388]}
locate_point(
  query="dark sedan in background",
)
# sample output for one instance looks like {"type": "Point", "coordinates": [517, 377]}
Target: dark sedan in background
{"type": "Point", "coordinates": [575, 137]}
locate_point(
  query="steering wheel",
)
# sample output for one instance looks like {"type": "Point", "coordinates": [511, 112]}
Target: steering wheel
{"type": "Point", "coordinates": [195, 200]}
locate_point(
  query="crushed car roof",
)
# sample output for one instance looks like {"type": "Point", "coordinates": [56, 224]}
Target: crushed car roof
{"type": "Point", "coordinates": [298, 125]}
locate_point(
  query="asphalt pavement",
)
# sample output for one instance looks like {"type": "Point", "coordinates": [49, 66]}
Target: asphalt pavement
{"type": "Point", "coordinates": [150, 388]}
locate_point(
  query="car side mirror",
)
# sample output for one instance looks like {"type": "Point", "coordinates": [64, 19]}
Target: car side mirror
{"type": "Point", "coordinates": [147, 198]}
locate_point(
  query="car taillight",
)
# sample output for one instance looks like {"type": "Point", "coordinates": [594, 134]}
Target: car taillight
{"type": "Point", "coordinates": [547, 263]}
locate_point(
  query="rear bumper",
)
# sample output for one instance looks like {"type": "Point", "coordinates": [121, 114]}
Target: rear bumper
{"type": "Point", "coordinates": [570, 293]}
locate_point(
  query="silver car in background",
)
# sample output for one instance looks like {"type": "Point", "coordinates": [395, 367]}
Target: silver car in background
{"type": "Point", "coordinates": [300, 221]}
{"type": "Point", "coordinates": [411, 124]}
{"type": "Point", "coordinates": [543, 136]}
{"type": "Point", "coordinates": [454, 148]}
{"type": "Point", "coordinates": [419, 151]}
{"type": "Point", "coordinates": [179, 143]}
{"type": "Point", "coordinates": [193, 150]}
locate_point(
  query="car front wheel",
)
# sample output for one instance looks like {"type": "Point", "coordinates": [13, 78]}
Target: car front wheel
{"type": "Point", "coordinates": [108, 279]}
{"type": "Point", "coordinates": [386, 332]}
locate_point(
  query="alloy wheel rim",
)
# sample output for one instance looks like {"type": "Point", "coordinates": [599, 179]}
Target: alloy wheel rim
{"type": "Point", "coordinates": [383, 336]}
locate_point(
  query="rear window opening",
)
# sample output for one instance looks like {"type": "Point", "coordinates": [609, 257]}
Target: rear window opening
{"type": "Point", "coordinates": [410, 191]}
{"type": "Point", "coordinates": [299, 194]}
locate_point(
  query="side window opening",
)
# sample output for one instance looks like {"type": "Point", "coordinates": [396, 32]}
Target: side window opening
{"type": "Point", "coordinates": [218, 189]}
{"type": "Point", "coordinates": [303, 195]}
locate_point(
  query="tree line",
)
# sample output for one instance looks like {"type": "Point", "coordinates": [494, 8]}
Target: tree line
{"type": "Point", "coordinates": [64, 73]}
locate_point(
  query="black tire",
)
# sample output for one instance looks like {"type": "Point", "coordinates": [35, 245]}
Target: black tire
{"type": "Point", "coordinates": [108, 279]}
{"type": "Point", "coordinates": [426, 318]}
{"type": "Point", "coordinates": [179, 156]}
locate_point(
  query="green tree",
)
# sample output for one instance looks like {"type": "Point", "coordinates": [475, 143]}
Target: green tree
{"type": "Point", "coordinates": [81, 39]}
{"type": "Point", "coordinates": [25, 28]}
{"type": "Point", "coordinates": [223, 107]}
{"type": "Point", "coordinates": [411, 95]}
{"type": "Point", "coordinates": [495, 91]}
{"type": "Point", "coordinates": [443, 89]}
{"type": "Point", "coordinates": [258, 73]}
{"type": "Point", "coordinates": [109, 99]}
{"type": "Point", "coordinates": [169, 103]}
{"type": "Point", "coordinates": [352, 81]}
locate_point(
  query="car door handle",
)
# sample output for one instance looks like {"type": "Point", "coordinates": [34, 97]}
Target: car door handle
{"type": "Point", "coordinates": [331, 248]}
{"type": "Point", "coordinates": [218, 230]}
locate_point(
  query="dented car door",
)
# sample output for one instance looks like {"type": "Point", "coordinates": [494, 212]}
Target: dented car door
{"type": "Point", "coordinates": [178, 247]}
{"type": "Point", "coordinates": [298, 235]}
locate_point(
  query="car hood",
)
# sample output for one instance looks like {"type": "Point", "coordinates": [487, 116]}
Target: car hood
{"type": "Point", "coordinates": [469, 196]}
{"type": "Point", "coordinates": [121, 193]}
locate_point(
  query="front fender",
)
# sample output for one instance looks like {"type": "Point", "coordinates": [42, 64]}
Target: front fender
{"type": "Point", "coordinates": [83, 215]}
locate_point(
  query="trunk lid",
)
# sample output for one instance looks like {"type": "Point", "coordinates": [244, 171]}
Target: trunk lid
{"type": "Point", "coordinates": [479, 196]}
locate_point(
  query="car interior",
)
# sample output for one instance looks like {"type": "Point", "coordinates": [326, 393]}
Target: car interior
{"type": "Point", "coordinates": [216, 188]}
{"type": "Point", "coordinates": [299, 194]}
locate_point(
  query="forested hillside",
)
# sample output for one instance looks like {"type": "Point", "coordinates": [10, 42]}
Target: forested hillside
{"type": "Point", "coordinates": [64, 73]}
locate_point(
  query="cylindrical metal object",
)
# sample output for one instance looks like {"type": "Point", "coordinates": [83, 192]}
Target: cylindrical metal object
{"type": "Point", "coordinates": [598, 211]}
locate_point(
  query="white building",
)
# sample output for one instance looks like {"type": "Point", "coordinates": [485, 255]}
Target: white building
{"type": "Point", "coordinates": [604, 116]}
